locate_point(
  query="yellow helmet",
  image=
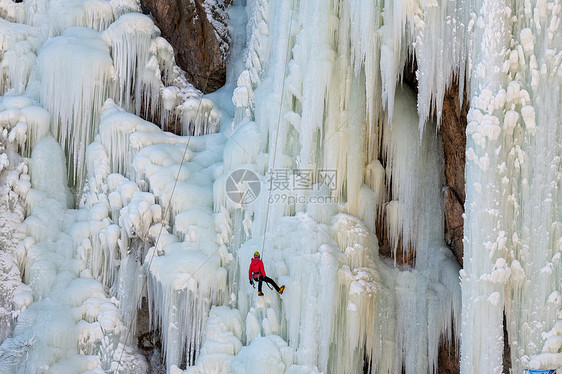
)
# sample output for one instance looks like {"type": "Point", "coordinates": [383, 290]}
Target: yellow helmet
{"type": "Point", "coordinates": [256, 255]}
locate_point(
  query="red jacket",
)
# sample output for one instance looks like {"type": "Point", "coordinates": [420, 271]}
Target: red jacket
{"type": "Point", "coordinates": [256, 267]}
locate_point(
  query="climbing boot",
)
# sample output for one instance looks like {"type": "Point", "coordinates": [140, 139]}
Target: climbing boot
{"type": "Point", "coordinates": [260, 293]}
{"type": "Point", "coordinates": [281, 290]}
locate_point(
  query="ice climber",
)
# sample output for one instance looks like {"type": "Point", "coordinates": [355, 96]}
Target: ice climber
{"type": "Point", "coordinates": [256, 273]}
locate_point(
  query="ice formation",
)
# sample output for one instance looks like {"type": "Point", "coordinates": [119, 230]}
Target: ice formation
{"type": "Point", "coordinates": [126, 60]}
{"type": "Point", "coordinates": [105, 213]}
{"type": "Point", "coordinates": [513, 226]}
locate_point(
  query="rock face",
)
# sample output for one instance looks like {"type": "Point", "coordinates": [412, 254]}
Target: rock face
{"type": "Point", "coordinates": [403, 256]}
{"type": "Point", "coordinates": [448, 361]}
{"type": "Point", "coordinates": [149, 340]}
{"type": "Point", "coordinates": [197, 31]}
{"type": "Point", "coordinates": [453, 133]}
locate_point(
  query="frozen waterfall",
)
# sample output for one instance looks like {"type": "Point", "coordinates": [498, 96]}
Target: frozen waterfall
{"type": "Point", "coordinates": [315, 153]}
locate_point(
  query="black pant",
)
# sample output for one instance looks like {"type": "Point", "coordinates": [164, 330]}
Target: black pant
{"type": "Point", "coordinates": [268, 280]}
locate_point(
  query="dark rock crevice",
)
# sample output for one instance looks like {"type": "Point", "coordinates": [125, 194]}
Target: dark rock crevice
{"type": "Point", "coordinates": [506, 348]}
{"type": "Point", "coordinates": [453, 134]}
{"type": "Point", "coordinates": [448, 361]}
{"type": "Point", "coordinates": [198, 32]}
{"type": "Point", "coordinates": [149, 340]}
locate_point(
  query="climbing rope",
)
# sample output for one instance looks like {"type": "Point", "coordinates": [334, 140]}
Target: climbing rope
{"type": "Point", "coordinates": [268, 206]}
{"type": "Point", "coordinates": [275, 149]}
{"type": "Point", "coordinates": [278, 124]}
{"type": "Point", "coordinates": [166, 212]}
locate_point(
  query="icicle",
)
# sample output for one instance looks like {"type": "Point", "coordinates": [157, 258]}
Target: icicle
{"type": "Point", "coordinates": [130, 38]}
{"type": "Point", "coordinates": [512, 226]}
{"type": "Point", "coordinates": [181, 288]}
{"type": "Point", "coordinates": [222, 340]}
{"type": "Point", "coordinates": [198, 117]}
{"type": "Point", "coordinates": [77, 105]}
{"type": "Point", "coordinates": [115, 128]}
{"type": "Point", "coordinates": [405, 173]}
{"type": "Point", "coordinates": [19, 44]}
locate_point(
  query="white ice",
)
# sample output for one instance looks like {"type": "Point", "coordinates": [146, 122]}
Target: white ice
{"type": "Point", "coordinates": [101, 209]}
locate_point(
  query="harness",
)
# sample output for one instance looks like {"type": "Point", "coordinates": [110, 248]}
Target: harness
{"type": "Point", "coordinates": [256, 275]}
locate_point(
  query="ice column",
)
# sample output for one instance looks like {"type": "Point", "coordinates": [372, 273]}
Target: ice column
{"type": "Point", "coordinates": [129, 38]}
{"type": "Point", "coordinates": [512, 227]}
{"type": "Point", "coordinates": [75, 76]}
{"type": "Point", "coordinates": [19, 44]}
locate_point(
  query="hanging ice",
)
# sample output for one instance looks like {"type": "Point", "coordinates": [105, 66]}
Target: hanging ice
{"type": "Point", "coordinates": [512, 229]}
{"type": "Point", "coordinates": [341, 151]}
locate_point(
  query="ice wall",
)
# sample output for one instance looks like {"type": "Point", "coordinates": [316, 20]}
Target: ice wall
{"type": "Point", "coordinates": [313, 103]}
{"type": "Point", "coordinates": [310, 114]}
{"type": "Point", "coordinates": [76, 108]}
{"type": "Point", "coordinates": [513, 213]}
{"type": "Point", "coordinates": [75, 56]}
{"type": "Point", "coordinates": [63, 315]}
{"type": "Point", "coordinates": [113, 53]}
{"type": "Point", "coordinates": [14, 184]}
{"type": "Point", "coordinates": [317, 93]}
{"type": "Point", "coordinates": [165, 228]}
